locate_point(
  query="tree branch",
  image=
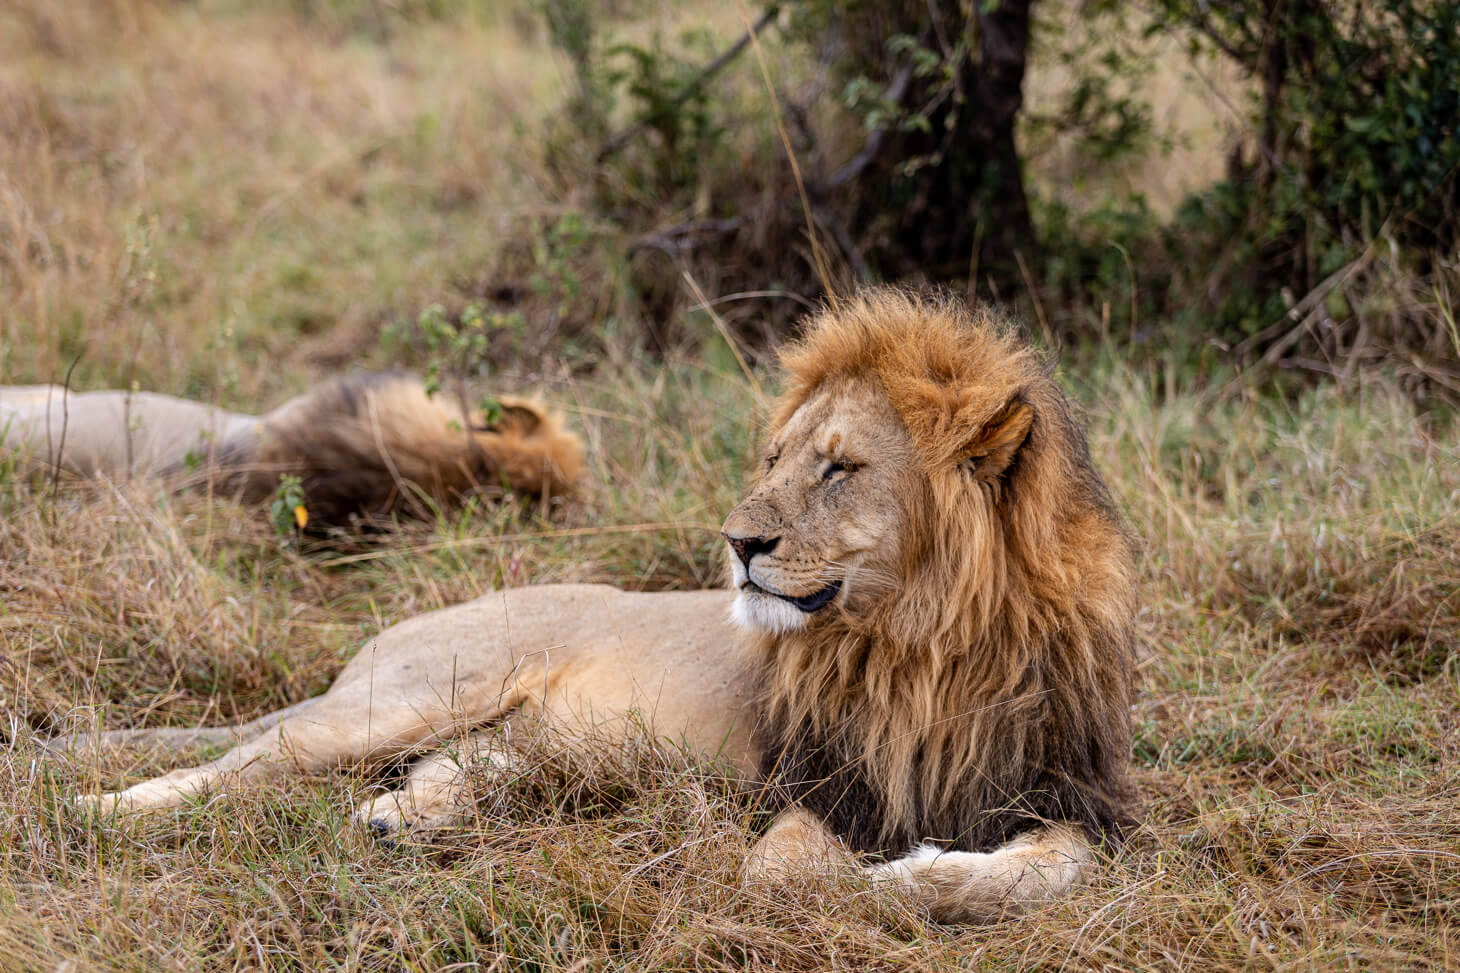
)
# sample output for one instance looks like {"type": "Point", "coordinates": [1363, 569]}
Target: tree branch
{"type": "Point", "coordinates": [853, 167]}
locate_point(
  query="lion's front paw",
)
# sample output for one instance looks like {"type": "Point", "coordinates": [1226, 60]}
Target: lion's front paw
{"type": "Point", "coordinates": [383, 817]}
{"type": "Point", "coordinates": [907, 870]}
{"type": "Point", "coordinates": [399, 813]}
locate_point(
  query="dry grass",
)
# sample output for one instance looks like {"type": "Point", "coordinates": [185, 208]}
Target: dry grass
{"type": "Point", "coordinates": [188, 191]}
{"type": "Point", "coordinates": [200, 220]}
{"type": "Point", "coordinates": [1296, 754]}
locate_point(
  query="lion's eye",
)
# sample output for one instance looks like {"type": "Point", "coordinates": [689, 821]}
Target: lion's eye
{"type": "Point", "coordinates": [770, 460]}
{"type": "Point", "coordinates": [835, 467]}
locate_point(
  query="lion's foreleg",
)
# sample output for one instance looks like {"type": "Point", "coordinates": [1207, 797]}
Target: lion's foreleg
{"type": "Point", "coordinates": [959, 886]}
{"type": "Point", "coordinates": [436, 793]}
{"type": "Point", "coordinates": [954, 886]}
{"type": "Point", "coordinates": [797, 843]}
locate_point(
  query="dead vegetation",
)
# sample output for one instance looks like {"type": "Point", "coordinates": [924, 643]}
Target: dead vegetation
{"type": "Point", "coordinates": [1296, 755]}
{"type": "Point", "coordinates": [191, 217]}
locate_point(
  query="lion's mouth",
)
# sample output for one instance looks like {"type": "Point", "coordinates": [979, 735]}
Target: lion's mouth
{"type": "Point", "coordinates": [807, 603]}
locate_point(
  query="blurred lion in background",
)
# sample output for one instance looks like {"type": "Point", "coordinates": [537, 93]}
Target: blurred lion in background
{"type": "Point", "coordinates": [363, 447]}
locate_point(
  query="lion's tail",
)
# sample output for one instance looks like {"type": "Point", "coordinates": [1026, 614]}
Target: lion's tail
{"type": "Point", "coordinates": [375, 445]}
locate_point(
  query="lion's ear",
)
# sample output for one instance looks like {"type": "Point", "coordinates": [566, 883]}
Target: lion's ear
{"type": "Point", "coordinates": [521, 418]}
{"type": "Point", "coordinates": [993, 449]}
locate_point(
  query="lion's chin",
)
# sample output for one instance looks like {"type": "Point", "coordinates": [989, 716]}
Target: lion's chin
{"type": "Point", "coordinates": [760, 611]}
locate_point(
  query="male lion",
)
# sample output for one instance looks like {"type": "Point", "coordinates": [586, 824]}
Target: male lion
{"type": "Point", "coordinates": [930, 653]}
{"type": "Point", "coordinates": [366, 445]}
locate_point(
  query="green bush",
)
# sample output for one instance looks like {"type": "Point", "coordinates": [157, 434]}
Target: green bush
{"type": "Point", "coordinates": [1356, 116]}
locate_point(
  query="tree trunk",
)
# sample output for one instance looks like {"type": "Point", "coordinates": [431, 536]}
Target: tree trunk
{"type": "Point", "coordinates": [999, 86]}
{"type": "Point", "coordinates": [968, 195]}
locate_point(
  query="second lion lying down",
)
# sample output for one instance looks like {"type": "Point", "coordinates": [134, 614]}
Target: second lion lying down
{"type": "Point", "coordinates": [364, 447]}
{"type": "Point", "coordinates": [929, 659]}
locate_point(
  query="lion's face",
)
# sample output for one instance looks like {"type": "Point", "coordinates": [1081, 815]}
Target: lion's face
{"type": "Point", "coordinates": [820, 532]}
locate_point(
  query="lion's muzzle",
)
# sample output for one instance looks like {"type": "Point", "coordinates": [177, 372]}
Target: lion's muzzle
{"type": "Point", "coordinates": [749, 546]}
{"type": "Point", "coordinates": [761, 605]}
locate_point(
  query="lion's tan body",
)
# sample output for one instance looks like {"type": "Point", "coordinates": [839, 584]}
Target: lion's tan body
{"type": "Point", "coordinates": [572, 657]}
{"type": "Point", "coordinates": [928, 643]}
{"type": "Point", "coordinates": [367, 445]}
{"type": "Point", "coordinates": [118, 435]}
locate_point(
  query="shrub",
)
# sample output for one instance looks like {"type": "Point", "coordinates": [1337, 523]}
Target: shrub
{"type": "Point", "coordinates": [1355, 118]}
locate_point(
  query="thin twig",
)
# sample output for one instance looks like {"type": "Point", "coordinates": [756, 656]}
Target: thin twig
{"type": "Point", "coordinates": [853, 167]}
{"type": "Point", "coordinates": [65, 421]}
{"type": "Point", "coordinates": [671, 240]}
{"type": "Point", "coordinates": [818, 256]}
{"type": "Point", "coordinates": [1034, 296]}
{"type": "Point", "coordinates": [754, 295]}
{"type": "Point", "coordinates": [729, 339]}
{"type": "Point", "coordinates": [1206, 29]}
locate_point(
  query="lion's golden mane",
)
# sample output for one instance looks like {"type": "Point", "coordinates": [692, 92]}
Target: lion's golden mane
{"type": "Point", "coordinates": [990, 690]}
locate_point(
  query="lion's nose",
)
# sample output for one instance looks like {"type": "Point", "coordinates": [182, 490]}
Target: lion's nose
{"type": "Point", "coordinates": [748, 547]}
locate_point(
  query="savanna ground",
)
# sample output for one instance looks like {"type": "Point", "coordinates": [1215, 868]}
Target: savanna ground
{"type": "Point", "coordinates": [228, 201]}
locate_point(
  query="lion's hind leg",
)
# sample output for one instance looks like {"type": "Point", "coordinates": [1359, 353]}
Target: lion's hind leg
{"type": "Point", "coordinates": [320, 734]}
{"type": "Point", "coordinates": [168, 739]}
{"type": "Point", "coordinates": [962, 886]}
{"type": "Point", "coordinates": [796, 843]}
{"type": "Point", "coordinates": [436, 793]}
